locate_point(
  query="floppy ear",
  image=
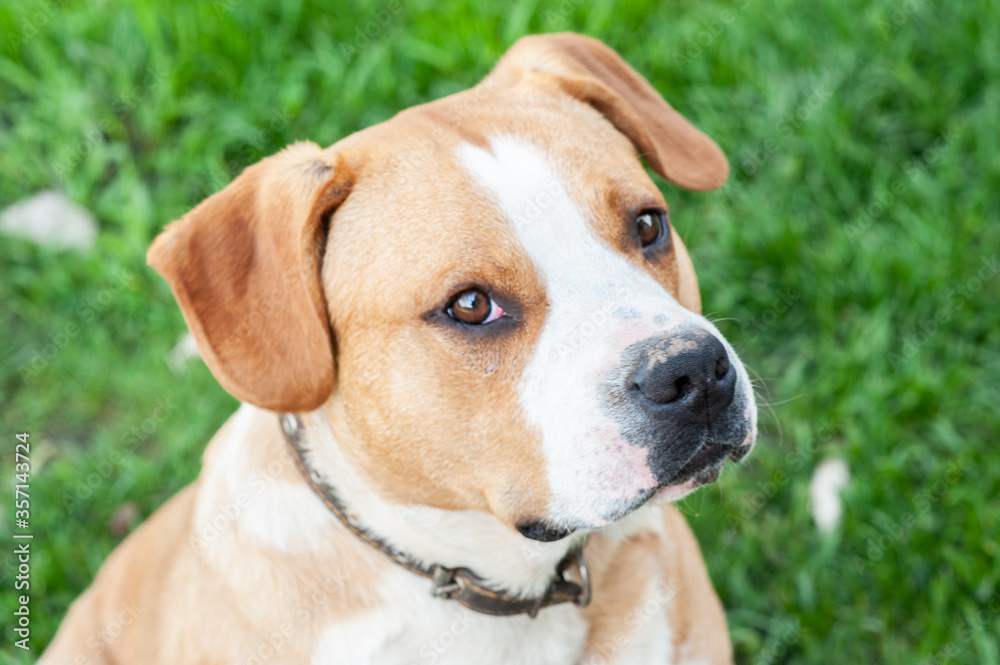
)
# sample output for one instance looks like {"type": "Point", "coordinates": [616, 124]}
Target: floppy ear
{"type": "Point", "coordinates": [591, 72]}
{"type": "Point", "coordinates": [245, 268]}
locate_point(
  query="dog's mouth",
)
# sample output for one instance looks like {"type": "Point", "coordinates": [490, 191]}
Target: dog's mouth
{"type": "Point", "coordinates": [702, 465]}
{"type": "Point", "coordinates": [703, 468]}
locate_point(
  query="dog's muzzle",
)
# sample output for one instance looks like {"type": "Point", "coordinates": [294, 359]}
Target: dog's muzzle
{"type": "Point", "coordinates": [674, 395]}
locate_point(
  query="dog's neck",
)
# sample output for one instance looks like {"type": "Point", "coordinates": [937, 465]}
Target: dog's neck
{"type": "Point", "coordinates": [469, 538]}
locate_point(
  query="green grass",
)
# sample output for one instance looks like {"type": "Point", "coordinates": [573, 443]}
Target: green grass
{"type": "Point", "coordinates": [825, 109]}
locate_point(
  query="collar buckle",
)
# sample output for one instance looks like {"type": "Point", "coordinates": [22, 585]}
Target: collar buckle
{"type": "Point", "coordinates": [446, 584]}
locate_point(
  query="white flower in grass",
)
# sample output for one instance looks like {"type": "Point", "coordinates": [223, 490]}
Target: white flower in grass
{"type": "Point", "coordinates": [829, 478]}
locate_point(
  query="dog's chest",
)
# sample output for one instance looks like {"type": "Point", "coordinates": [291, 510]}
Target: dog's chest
{"type": "Point", "coordinates": [414, 629]}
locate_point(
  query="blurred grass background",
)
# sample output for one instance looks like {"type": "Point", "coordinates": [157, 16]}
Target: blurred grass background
{"type": "Point", "coordinates": [852, 257]}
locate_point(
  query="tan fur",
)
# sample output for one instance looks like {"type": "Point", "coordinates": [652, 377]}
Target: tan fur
{"type": "Point", "coordinates": [306, 264]}
{"type": "Point", "coordinates": [632, 584]}
{"type": "Point", "coordinates": [623, 574]}
{"type": "Point", "coordinates": [697, 617]}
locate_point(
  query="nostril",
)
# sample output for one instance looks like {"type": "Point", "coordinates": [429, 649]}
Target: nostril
{"type": "Point", "coordinates": [722, 367]}
{"type": "Point", "coordinates": [682, 387]}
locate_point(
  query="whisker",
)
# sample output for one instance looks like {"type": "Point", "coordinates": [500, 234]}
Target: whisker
{"type": "Point", "coordinates": [762, 393]}
{"type": "Point", "coordinates": [712, 319]}
{"type": "Point", "coordinates": [786, 401]}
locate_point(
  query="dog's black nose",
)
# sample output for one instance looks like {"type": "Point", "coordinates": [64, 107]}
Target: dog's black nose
{"type": "Point", "coordinates": [675, 395]}
{"type": "Point", "coordinates": [684, 376]}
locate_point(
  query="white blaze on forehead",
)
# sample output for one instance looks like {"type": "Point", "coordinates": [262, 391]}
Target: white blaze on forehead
{"type": "Point", "coordinates": [592, 470]}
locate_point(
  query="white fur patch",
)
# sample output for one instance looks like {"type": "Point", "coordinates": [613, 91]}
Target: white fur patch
{"type": "Point", "coordinates": [287, 518]}
{"type": "Point", "coordinates": [273, 512]}
{"type": "Point", "coordinates": [360, 640]}
{"type": "Point", "coordinates": [414, 629]}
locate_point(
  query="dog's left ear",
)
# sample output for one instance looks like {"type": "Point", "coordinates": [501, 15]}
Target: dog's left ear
{"type": "Point", "coordinates": [588, 70]}
{"type": "Point", "coordinates": [244, 266]}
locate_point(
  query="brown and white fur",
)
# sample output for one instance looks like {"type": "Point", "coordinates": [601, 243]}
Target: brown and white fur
{"type": "Point", "coordinates": [318, 283]}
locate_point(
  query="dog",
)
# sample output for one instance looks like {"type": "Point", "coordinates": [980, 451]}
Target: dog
{"type": "Point", "coordinates": [474, 378]}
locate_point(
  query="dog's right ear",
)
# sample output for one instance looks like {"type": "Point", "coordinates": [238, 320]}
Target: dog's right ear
{"type": "Point", "coordinates": [245, 267]}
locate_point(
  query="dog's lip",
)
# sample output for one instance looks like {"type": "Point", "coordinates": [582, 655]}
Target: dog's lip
{"type": "Point", "coordinates": [711, 455]}
{"type": "Point", "coordinates": [704, 468]}
{"type": "Point", "coordinates": [739, 453]}
{"type": "Point", "coordinates": [706, 475]}
{"type": "Point", "coordinates": [677, 490]}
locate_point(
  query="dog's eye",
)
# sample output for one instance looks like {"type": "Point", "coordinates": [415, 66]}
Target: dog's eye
{"type": "Point", "coordinates": [650, 226]}
{"type": "Point", "coordinates": [475, 307]}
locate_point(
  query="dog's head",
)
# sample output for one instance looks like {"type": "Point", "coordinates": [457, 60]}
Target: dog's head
{"type": "Point", "coordinates": [485, 294]}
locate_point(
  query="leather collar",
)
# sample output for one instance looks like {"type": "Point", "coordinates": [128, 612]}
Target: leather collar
{"type": "Point", "coordinates": [459, 584]}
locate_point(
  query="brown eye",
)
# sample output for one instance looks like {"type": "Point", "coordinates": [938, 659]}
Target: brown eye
{"type": "Point", "coordinates": [649, 226]}
{"type": "Point", "coordinates": [475, 307]}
